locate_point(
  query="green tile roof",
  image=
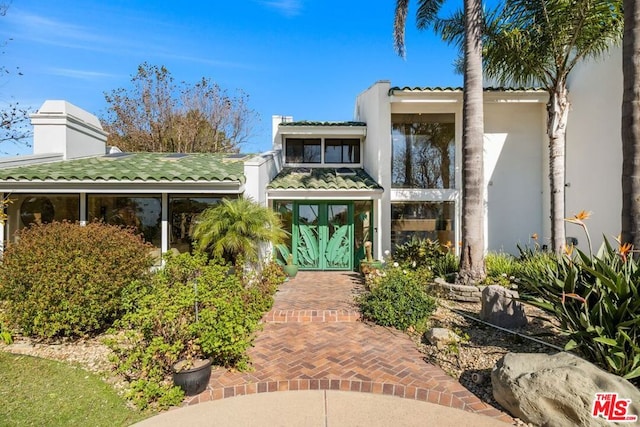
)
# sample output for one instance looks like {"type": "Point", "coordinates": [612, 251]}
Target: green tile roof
{"type": "Point", "coordinates": [323, 179]}
{"type": "Point", "coordinates": [311, 123]}
{"type": "Point", "coordinates": [459, 89]}
{"type": "Point", "coordinates": [143, 167]}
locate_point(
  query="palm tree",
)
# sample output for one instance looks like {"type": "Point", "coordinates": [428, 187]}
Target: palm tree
{"type": "Point", "coordinates": [237, 227]}
{"type": "Point", "coordinates": [631, 125]}
{"type": "Point", "coordinates": [472, 267]}
{"type": "Point", "coordinates": [539, 42]}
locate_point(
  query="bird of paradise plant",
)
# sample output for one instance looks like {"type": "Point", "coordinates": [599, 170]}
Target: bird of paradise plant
{"type": "Point", "coordinates": [595, 298]}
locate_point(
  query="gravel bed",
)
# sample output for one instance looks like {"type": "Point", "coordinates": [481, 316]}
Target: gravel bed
{"type": "Point", "coordinates": [471, 361]}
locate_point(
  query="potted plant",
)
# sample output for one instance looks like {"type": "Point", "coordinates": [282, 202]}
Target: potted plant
{"type": "Point", "coordinates": [192, 372]}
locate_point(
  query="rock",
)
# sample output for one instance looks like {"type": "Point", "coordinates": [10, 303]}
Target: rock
{"type": "Point", "coordinates": [501, 308]}
{"type": "Point", "coordinates": [441, 337]}
{"type": "Point", "coordinates": [556, 390]}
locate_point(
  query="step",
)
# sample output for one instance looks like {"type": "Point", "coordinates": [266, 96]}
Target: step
{"type": "Point", "coordinates": [304, 316]}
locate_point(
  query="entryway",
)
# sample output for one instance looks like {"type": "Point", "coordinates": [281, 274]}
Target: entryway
{"type": "Point", "coordinates": [322, 237]}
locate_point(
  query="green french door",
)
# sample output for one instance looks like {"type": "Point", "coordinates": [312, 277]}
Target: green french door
{"type": "Point", "coordinates": [323, 235]}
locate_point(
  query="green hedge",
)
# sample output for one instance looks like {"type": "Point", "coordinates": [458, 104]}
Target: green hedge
{"type": "Point", "coordinates": [63, 279]}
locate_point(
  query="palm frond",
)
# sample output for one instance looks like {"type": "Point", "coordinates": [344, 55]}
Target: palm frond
{"type": "Point", "coordinates": [399, 26]}
{"type": "Point", "coordinates": [427, 12]}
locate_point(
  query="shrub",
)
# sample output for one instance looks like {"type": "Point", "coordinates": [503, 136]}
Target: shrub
{"type": "Point", "coordinates": [166, 327]}
{"type": "Point", "coordinates": [399, 299]}
{"type": "Point", "coordinates": [426, 253]}
{"type": "Point", "coordinates": [63, 279]}
{"type": "Point", "coordinates": [596, 300]}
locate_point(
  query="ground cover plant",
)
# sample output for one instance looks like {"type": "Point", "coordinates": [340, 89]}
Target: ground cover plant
{"type": "Point", "coordinates": [40, 392]}
{"type": "Point", "coordinates": [194, 307]}
{"type": "Point", "coordinates": [66, 280]}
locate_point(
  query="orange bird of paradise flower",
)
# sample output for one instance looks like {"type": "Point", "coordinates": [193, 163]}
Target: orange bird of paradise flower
{"type": "Point", "coordinates": [624, 250]}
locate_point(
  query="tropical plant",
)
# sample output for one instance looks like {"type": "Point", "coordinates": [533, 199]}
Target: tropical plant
{"type": "Point", "coordinates": [631, 124]}
{"type": "Point", "coordinates": [538, 43]}
{"type": "Point", "coordinates": [596, 299]}
{"type": "Point", "coordinates": [235, 229]}
{"type": "Point", "coordinates": [472, 267]}
{"type": "Point", "coordinates": [417, 253]}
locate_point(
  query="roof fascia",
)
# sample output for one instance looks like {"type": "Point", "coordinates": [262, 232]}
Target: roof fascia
{"type": "Point", "coordinates": [227, 187]}
{"type": "Point", "coordinates": [305, 194]}
{"type": "Point", "coordinates": [358, 131]}
{"type": "Point", "coordinates": [455, 96]}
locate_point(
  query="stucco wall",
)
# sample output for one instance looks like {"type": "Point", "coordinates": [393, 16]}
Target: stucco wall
{"type": "Point", "coordinates": [594, 147]}
{"type": "Point", "coordinates": [373, 107]}
{"type": "Point", "coordinates": [513, 159]}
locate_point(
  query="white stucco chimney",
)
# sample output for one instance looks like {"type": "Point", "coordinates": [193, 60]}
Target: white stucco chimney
{"type": "Point", "coordinates": [275, 121]}
{"type": "Point", "coordinates": [61, 127]}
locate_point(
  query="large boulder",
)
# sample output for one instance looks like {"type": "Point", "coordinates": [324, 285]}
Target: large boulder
{"type": "Point", "coordinates": [556, 390]}
{"type": "Point", "coordinates": [501, 307]}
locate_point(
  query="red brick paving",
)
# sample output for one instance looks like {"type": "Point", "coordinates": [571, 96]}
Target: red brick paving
{"type": "Point", "coordinates": [313, 340]}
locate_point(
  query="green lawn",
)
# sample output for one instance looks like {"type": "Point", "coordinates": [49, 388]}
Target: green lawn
{"type": "Point", "coordinates": [39, 392]}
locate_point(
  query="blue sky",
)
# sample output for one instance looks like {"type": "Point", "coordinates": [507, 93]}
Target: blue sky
{"type": "Point", "coordinates": [305, 58]}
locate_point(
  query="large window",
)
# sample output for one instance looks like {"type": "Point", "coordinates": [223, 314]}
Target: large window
{"type": "Point", "coordinates": [183, 212]}
{"type": "Point", "coordinates": [143, 213]}
{"type": "Point", "coordinates": [342, 150]}
{"type": "Point", "coordinates": [423, 151]}
{"type": "Point", "coordinates": [425, 220]}
{"type": "Point", "coordinates": [27, 209]}
{"type": "Point", "coordinates": [303, 150]}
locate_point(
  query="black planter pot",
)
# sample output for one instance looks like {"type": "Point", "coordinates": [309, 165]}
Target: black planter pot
{"type": "Point", "coordinates": [194, 380]}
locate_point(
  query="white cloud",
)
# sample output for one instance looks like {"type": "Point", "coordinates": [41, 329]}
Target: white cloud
{"type": "Point", "coordinates": [79, 74]}
{"type": "Point", "coordinates": [52, 32]}
{"type": "Point", "coordinates": [286, 7]}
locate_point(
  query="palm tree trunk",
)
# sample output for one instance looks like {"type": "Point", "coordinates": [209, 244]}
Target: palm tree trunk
{"type": "Point", "coordinates": [631, 125]}
{"type": "Point", "coordinates": [472, 257]}
{"type": "Point", "coordinates": [557, 116]}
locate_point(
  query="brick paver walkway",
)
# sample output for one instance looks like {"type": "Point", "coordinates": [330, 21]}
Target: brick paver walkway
{"type": "Point", "coordinates": [313, 340]}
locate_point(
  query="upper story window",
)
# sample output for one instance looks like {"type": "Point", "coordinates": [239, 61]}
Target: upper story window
{"type": "Point", "coordinates": [423, 152]}
{"type": "Point", "coordinates": [342, 150]}
{"type": "Point", "coordinates": [322, 150]}
{"type": "Point", "coordinates": [300, 150]}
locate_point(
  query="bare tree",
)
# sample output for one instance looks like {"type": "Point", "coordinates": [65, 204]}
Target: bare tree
{"type": "Point", "coordinates": [158, 115]}
{"type": "Point", "coordinates": [14, 119]}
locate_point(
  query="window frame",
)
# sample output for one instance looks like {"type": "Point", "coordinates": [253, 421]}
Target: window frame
{"type": "Point", "coordinates": [323, 147]}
